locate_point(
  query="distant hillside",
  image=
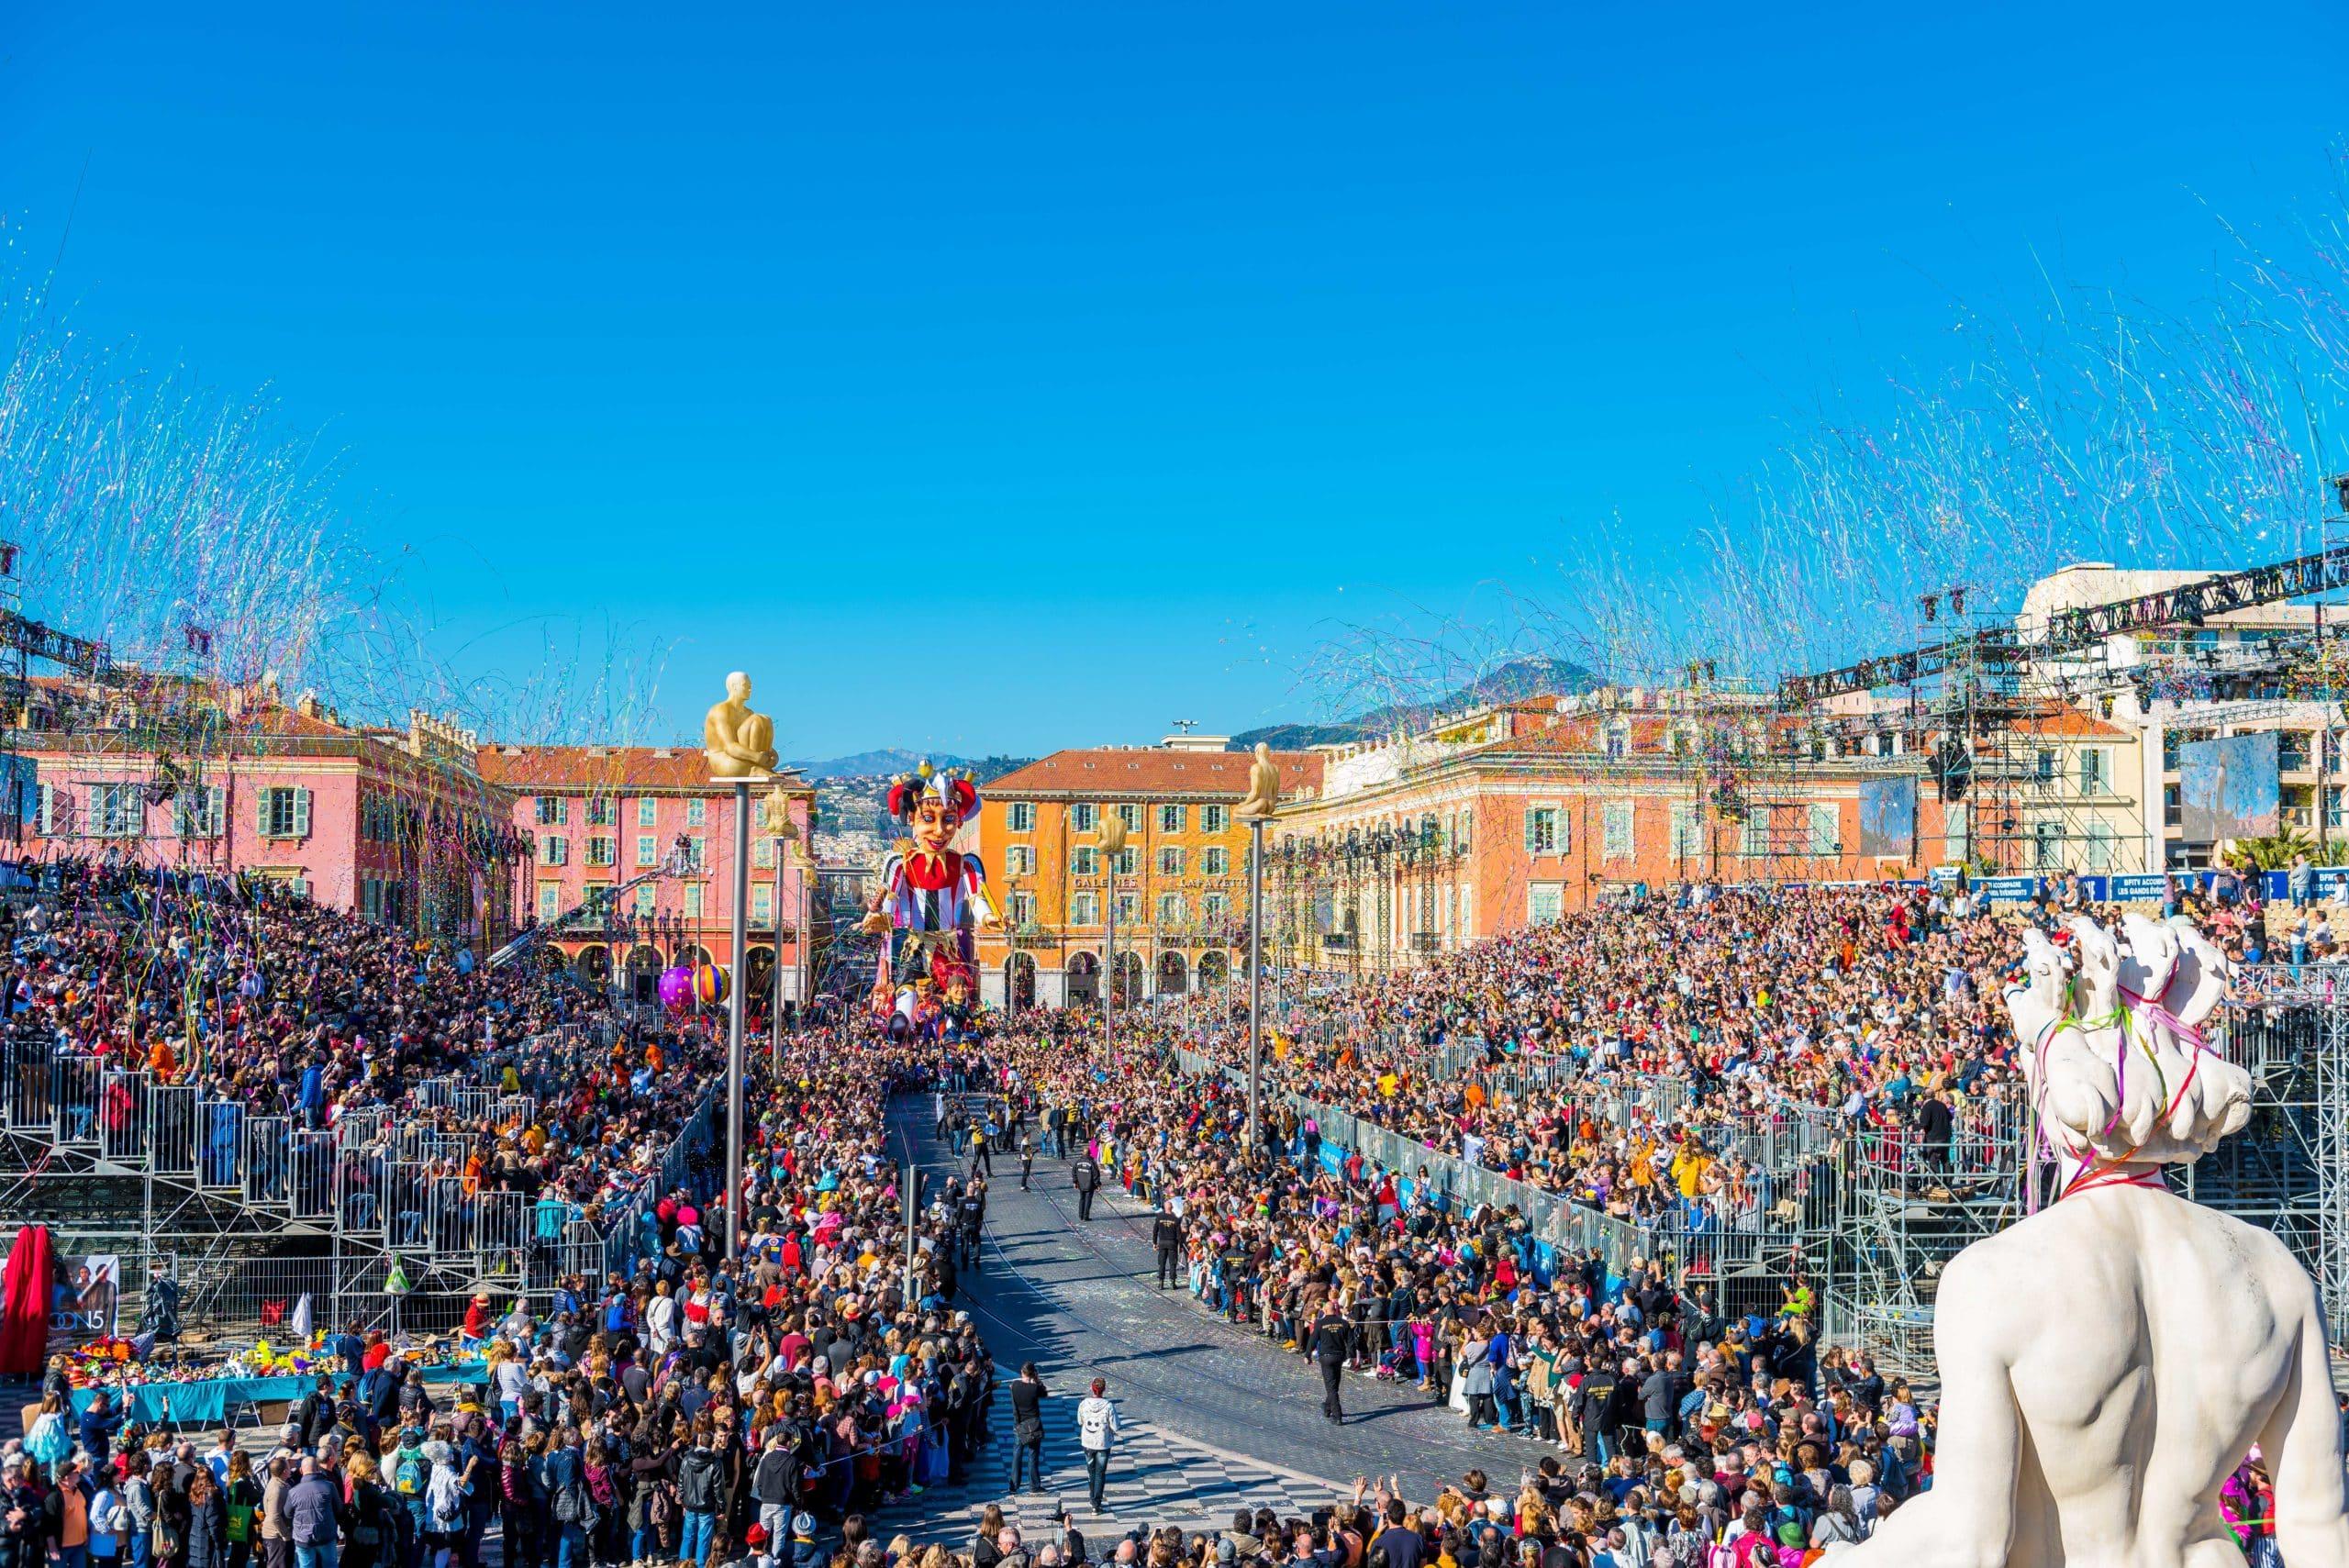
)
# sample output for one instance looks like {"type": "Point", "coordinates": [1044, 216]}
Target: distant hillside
{"type": "Point", "coordinates": [887, 761]}
{"type": "Point", "coordinates": [1513, 682]}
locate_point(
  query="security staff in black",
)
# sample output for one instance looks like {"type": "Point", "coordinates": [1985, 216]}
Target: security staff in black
{"type": "Point", "coordinates": [1333, 1341]}
{"type": "Point", "coordinates": [1088, 1177]}
{"type": "Point", "coordinates": [1166, 1234]}
{"type": "Point", "coordinates": [1027, 1155]}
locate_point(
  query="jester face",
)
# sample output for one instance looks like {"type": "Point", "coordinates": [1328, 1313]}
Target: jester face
{"type": "Point", "coordinates": [932, 824]}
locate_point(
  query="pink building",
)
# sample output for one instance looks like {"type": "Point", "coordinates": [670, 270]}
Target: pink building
{"type": "Point", "coordinates": [394, 825]}
{"type": "Point", "coordinates": [603, 821]}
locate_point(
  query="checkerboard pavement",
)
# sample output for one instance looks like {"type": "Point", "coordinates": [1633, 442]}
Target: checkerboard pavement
{"type": "Point", "coordinates": [1156, 1477]}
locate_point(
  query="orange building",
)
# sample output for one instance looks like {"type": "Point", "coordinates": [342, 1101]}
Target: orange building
{"type": "Point", "coordinates": [601, 816]}
{"type": "Point", "coordinates": [1511, 816]}
{"type": "Point", "coordinates": [1180, 888]}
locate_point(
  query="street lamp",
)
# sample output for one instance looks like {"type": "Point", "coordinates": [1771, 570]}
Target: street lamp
{"type": "Point", "coordinates": [1112, 839]}
{"type": "Point", "coordinates": [774, 815]}
{"type": "Point", "coordinates": [1256, 809]}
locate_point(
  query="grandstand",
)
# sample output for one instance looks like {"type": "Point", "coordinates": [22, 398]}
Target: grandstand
{"type": "Point", "coordinates": [372, 1216]}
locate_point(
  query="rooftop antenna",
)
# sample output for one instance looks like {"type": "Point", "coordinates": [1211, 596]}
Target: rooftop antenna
{"type": "Point", "coordinates": [1185, 725]}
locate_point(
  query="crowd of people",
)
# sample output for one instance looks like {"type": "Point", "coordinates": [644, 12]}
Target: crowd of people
{"type": "Point", "coordinates": [687, 1409]}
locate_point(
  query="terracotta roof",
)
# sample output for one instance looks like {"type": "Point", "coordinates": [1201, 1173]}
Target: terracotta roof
{"type": "Point", "coordinates": [619, 768]}
{"type": "Point", "coordinates": [2070, 723]}
{"type": "Point", "coordinates": [1154, 773]}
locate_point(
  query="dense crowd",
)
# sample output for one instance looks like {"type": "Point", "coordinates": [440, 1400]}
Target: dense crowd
{"type": "Point", "coordinates": [688, 1409]}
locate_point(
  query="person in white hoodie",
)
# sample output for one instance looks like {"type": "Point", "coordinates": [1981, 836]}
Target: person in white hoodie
{"type": "Point", "coordinates": [1096, 1429]}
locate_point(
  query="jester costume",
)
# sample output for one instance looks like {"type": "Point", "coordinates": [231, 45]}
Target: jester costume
{"type": "Point", "coordinates": [931, 898]}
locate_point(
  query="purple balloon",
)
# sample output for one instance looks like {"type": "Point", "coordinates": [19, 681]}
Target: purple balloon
{"type": "Point", "coordinates": [677, 987]}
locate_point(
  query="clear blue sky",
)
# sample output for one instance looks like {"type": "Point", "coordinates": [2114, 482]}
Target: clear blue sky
{"type": "Point", "coordinates": [1004, 376]}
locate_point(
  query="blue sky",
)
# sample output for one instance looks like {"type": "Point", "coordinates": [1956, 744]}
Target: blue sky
{"type": "Point", "coordinates": [999, 377]}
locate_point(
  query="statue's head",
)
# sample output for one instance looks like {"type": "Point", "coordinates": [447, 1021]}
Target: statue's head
{"type": "Point", "coordinates": [737, 687]}
{"type": "Point", "coordinates": [2119, 1075]}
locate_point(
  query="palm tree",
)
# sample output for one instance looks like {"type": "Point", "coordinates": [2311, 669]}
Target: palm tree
{"type": "Point", "coordinates": [2275, 852]}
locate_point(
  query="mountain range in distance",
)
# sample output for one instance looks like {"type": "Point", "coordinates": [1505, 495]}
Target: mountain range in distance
{"type": "Point", "coordinates": [1513, 682]}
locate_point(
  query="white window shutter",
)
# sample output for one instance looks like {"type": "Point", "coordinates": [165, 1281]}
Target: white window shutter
{"type": "Point", "coordinates": [301, 812]}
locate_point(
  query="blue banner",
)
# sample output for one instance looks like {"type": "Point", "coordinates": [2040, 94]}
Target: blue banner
{"type": "Point", "coordinates": [2008, 889]}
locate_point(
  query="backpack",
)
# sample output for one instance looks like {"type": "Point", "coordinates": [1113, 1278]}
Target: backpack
{"type": "Point", "coordinates": [567, 1510]}
{"type": "Point", "coordinates": [409, 1475]}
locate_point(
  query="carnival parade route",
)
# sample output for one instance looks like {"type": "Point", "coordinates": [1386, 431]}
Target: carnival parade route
{"type": "Point", "coordinates": [1080, 1300]}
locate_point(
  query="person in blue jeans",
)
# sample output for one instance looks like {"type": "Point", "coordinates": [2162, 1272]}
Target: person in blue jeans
{"type": "Point", "coordinates": [700, 1476]}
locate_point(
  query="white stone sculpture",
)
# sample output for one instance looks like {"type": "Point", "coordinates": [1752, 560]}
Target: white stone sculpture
{"type": "Point", "coordinates": [2106, 1363]}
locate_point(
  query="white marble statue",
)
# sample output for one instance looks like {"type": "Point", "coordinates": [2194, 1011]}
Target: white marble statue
{"type": "Point", "coordinates": [2106, 1363]}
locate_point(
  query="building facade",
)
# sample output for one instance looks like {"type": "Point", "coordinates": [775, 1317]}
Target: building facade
{"type": "Point", "coordinates": [633, 863]}
{"type": "Point", "coordinates": [394, 825]}
{"type": "Point", "coordinates": [1178, 893]}
{"type": "Point", "coordinates": [1510, 817]}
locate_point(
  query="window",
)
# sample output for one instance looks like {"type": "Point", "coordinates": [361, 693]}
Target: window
{"type": "Point", "coordinates": [1023, 910]}
{"type": "Point", "coordinates": [1826, 832]}
{"type": "Point", "coordinates": [2092, 780]}
{"type": "Point", "coordinates": [1756, 843]}
{"type": "Point", "coordinates": [1128, 862]}
{"type": "Point", "coordinates": [1085, 909]}
{"type": "Point", "coordinates": [1214, 818]}
{"type": "Point", "coordinates": [2292, 751]}
{"type": "Point", "coordinates": [648, 812]}
{"type": "Point", "coordinates": [1957, 830]}
{"type": "Point", "coordinates": [696, 813]}
{"type": "Point", "coordinates": [2099, 846]}
{"type": "Point", "coordinates": [1687, 831]}
{"type": "Point", "coordinates": [1215, 907]}
{"type": "Point", "coordinates": [1019, 860]}
{"type": "Point", "coordinates": [603, 811]}
{"type": "Point", "coordinates": [695, 860]}
{"type": "Point", "coordinates": [1545, 903]}
{"type": "Point", "coordinates": [52, 811]}
{"type": "Point", "coordinates": [1020, 816]}
{"type": "Point", "coordinates": [763, 853]}
{"type": "Point", "coordinates": [2173, 807]}
{"type": "Point", "coordinates": [198, 811]}
{"type": "Point", "coordinates": [694, 891]}
{"type": "Point", "coordinates": [1169, 908]}
{"type": "Point", "coordinates": [2169, 751]}
{"type": "Point", "coordinates": [553, 811]}
{"type": "Point", "coordinates": [762, 902]}
{"type": "Point", "coordinates": [1084, 816]}
{"type": "Point", "coordinates": [648, 849]}
{"type": "Point", "coordinates": [1619, 738]}
{"type": "Point", "coordinates": [644, 896]}
{"type": "Point", "coordinates": [1131, 816]}
{"type": "Point", "coordinates": [1617, 824]}
{"type": "Point", "coordinates": [2047, 846]}
{"type": "Point", "coordinates": [1463, 838]}
{"type": "Point", "coordinates": [1170, 861]}
{"type": "Point", "coordinates": [1214, 860]}
{"type": "Point", "coordinates": [599, 900]}
{"type": "Point", "coordinates": [1128, 908]}
{"type": "Point", "coordinates": [1084, 861]}
{"type": "Point", "coordinates": [2333, 806]}
{"type": "Point", "coordinates": [554, 850]}
{"type": "Point", "coordinates": [1544, 832]}
{"type": "Point", "coordinates": [2045, 770]}
{"type": "Point", "coordinates": [286, 812]}
{"type": "Point", "coordinates": [549, 900]}
{"type": "Point", "coordinates": [1170, 818]}
{"type": "Point", "coordinates": [118, 810]}
{"type": "Point", "coordinates": [603, 850]}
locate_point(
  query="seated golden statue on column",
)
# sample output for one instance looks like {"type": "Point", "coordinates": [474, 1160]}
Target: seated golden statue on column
{"type": "Point", "coordinates": [739, 743]}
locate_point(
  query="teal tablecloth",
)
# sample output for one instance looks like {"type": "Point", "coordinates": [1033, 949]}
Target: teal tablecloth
{"type": "Point", "coordinates": [206, 1402]}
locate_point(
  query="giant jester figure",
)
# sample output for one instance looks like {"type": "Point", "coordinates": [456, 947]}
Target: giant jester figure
{"type": "Point", "coordinates": [932, 901]}
{"type": "Point", "coordinates": [2108, 1362]}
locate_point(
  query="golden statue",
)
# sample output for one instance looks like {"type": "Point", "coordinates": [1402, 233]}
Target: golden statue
{"type": "Point", "coordinates": [1264, 787]}
{"type": "Point", "coordinates": [739, 743]}
{"type": "Point", "coordinates": [774, 815]}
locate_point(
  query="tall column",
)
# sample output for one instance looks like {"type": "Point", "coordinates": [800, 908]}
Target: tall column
{"type": "Point", "coordinates": [734, 999]}
{"type": "Point", "coordinates": [1255, 977]}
